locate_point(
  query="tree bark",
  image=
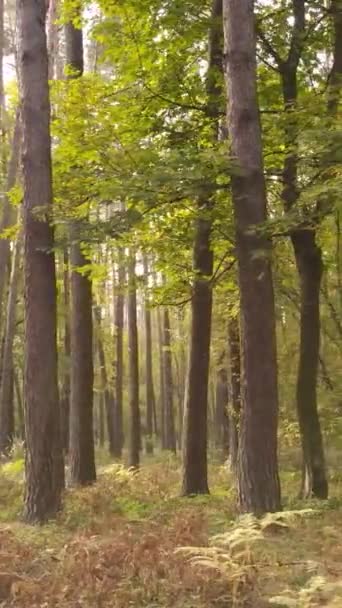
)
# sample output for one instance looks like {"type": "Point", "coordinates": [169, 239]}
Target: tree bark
{"type": "Point", "coordinates": [196, 399]}
{"type": "Point", "coordinates": [133, 362]}
{"type": "Point", "coordinates": [81, 448]}
{"type": "Point", "coordinates": [44, 459]}
{"type": "Point", "coordinates": [169, 415]}
{"type": "Point", "coordinates": [258, 480]}
{"type": "Point", "coordinates": [150, 395]}
{"type": "Point", "coordinates": [6, 388]}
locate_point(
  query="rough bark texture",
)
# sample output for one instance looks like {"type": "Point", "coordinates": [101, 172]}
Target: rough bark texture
{"type": "Point", "coordinates": [44, 461]}
{"type": "Point", "coordinates": [258, 480]}
{"type": "Point", "coordinates": [196, 399]}
{"type": "Point", "coordinates": [133, 363]}
{"type": "Point", "coordinates": [82, 455]}
{"type": "Point", "coordinates": [118, 365]}
{"type": "Point", "coordinates": [150, 395]}
{"type": "Point", "coordinates": [169, 415]}
{"type": "Point", "coordinates": [235, 390]}
{"type": "Point", "coordinates": [6, 388]}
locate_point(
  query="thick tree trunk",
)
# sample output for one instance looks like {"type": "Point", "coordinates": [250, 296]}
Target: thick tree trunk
{"type": "Point", "coordinates": [44, 460]}
{"type": "Point", "coordinates": [118, 365]}
{"type": "Point", "coordinates": [196, 399]}
{"type": "Point", "coordinates": [235, 390]}
{"type": "Point", "coordinates": [133, 362]}
{"type": "Point", "coordinates": [81, 447]}
{"type": "Point", "coordinates": [150, 395]}
{"type": "Point", "coordinates": [6, 388]}
{"type": "Point", "coordinates": [258, 480]}
{"type": "Point", "coordinates": [169, 415]}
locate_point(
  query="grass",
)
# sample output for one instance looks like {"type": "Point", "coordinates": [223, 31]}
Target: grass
{"type": "Point", "coordinates": [116, 545]}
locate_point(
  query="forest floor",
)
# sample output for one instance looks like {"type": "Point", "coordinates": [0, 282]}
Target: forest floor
{"type": "Point", "coordinates": [117, 544]}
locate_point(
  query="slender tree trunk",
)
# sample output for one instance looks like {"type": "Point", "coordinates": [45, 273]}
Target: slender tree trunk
{"type": "Point", "coordinates": [6, 388]}
{"type": "Point", "coordinates": [150, 396]}
{"type": "Point", "coordinates": [162, 396]}
{"type": "Point", "coordinates": [309, 264]}
{"type": "Point", "coordinates": [52, 37]}
{"type": "Point", "coordinates": [133, 360]}
{"type": "Point", "coordinates": [196, 400]}
{"type": "Point", "coordinates": [108, 400]}
{"type": "Point", "coordinates": [101, 420]}
{"type": "Point", "coordinates": [44, 459]}
{"type": "Point", "coordinates": [7, 212]}
{"type": "Point", "coordinates": [170, 434]}
{"type": "Point", "coordinates": [235, 390]}
{"type": "Point", "coordinates": [119, 370]}
{"type": "Point", "coordinates": [19, 403]}
{"type": "Point", "coordinates": [82, 453]}
{"type": "Point", "coordinates": [221, 419]}
{"type": "Point", "coordinates": [65, 393]}
{"type": "Point", "coordinates": [310, 268]}
{"type": "Point", "coordinates": [258, 480]}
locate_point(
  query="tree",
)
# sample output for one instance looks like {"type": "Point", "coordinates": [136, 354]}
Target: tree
{"type": "Point", "coordinates": [150, 396]}
{"type": "Point", "coordinates": [82, 453]}
{"type": "Point", "coordinates": [118, 365]}
{"type": "Point", "coordinates": [44, 460]}
{"type": "Point", "coordinates": [107, 399]}
{"type": "Point", "coordinates": [196, 400]}
{"type": "Point", "coordinates": [7, 372]}
{"type": "Point", "coordinates": [169, 415]}
{"type": "Point", "coordinates": [258, 481]}
{"type": "Point", "coordinates": [133, 367]}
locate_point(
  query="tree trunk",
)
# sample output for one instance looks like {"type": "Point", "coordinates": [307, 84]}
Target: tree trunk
{"type": "Point", "coordinates": [133, 362]}
{"type": "Point", "coordinates": [118, 371]}
{"type": "Point", "coordinates": [82, 454]}
{"type": "Point", "coordinates": [235, 390]}
{"type": "Point", "coordinates": [108, 400]}
{"type": "Point", "coordinates": [19, 403]}
{"type": "Point", "coordinates": [44, 460]}
{"type": "Point", "coordinates": [150, 396]}
{"type": "Point", "coordinates": [196, 399]}
{"type": "Point", "coordinates": [6, 388]}
{"type": "Point", "coordinates": [310, 268]}
{"type": "Point", "coordinates": [7, 213]}
{"type": "Point", "coordinates": [162, 396]}
{"type": "Point", "coordinates": [221, 419]}
{"type": "Point", "coordinates": [101, 420]}
{"type": "Point", "coordinates": [169, 419]}
{"type": "Point", "coordinates": [258, 480]}
{"type": "Point", "coordinates": [65, 392]}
